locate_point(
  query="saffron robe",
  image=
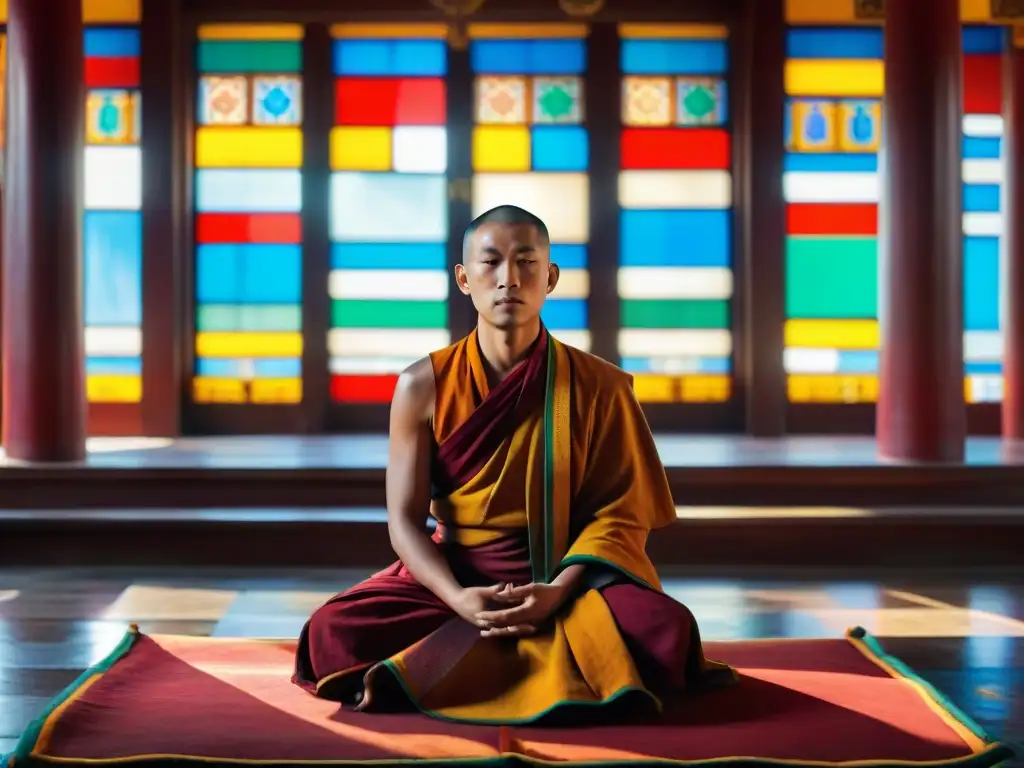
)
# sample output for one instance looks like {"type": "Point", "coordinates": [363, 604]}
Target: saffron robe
{"type": "Point", "coordinates": [555, 466]}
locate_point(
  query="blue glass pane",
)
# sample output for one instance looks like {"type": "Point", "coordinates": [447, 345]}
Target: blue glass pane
{"type": "Point", "coordinates": [112, 251]}
{"type": "Point", "coordinates": [823, 162]}
{"type": "Point", "coordinates": [394, 58]}
{"type": "Point", "coordinates": [560, 148]}
{"type": "Point", "coordinates": [569, 256]}
{"type": "Point", "coordinates": [388, 256]}
{"type": "Point", "coordinates": [564, 314]}
{"type": "Point", "coordinates": [981, 283]}
{"type": "Point", "coordinates": [667, 238]}
{"type": "Point", "coordinates": [675, 57]}
{"type": "Point", "coordinates": [112, 42]}
{"type": "Point", "coordinates": [981, 198]}
{"type": "Point", "coordinates": [833, 43]}
{"type": "Point", "coordinates": [981, 40]}
{"type": "Point", "coordinates": [529, 57]}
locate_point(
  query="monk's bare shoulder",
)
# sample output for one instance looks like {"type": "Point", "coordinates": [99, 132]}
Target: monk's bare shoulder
{"type": "Point", "coordinates": [415, 391]}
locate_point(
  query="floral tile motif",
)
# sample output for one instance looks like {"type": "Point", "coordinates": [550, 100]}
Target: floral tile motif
{"type": "Point", "coordinates": [500, 100]}
{"type": "Point", "coordinates": [647, 101]}
{"type": "Point", "coordinates": [277, 100]}
{"type": "Point", "coordinates": [557, 100]}
{"type": "Point", "coordinates": [223, 100]}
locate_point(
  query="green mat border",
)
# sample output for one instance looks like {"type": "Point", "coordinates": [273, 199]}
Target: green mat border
{"type": "Point", "coordinates": [994, 755]}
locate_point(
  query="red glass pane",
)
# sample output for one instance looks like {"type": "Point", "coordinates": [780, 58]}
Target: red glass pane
{"type": "Point", "coordinates": [983, 84]}
{"type": "Point", "coordinates": [389, 101]}
{"type": "Point", "coordinates": [363, 389]}
{"type": "Point", "coordinates": [278, 228]}
{"type": "Point", "coordinates": [675, 148]}
{"type": "Point", "coordinates": [112, 72]}
{"type": "Point", "coordinates": [832, 219]}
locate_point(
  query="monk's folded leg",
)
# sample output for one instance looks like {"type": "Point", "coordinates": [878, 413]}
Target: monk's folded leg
{"type": "Point", "coordinates": [365, 625]}
{"type": "Point", "coordinates": [664, 640]}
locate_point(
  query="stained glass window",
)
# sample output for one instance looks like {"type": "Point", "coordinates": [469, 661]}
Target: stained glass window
{"type": "Point", "coordinates": [112, 231]}
{"type": "Point", "coordinates": [248, 227]}
{"type": "Point", "coordinates": [675, 276]}
{"type": "Point", "coordinates": [983, 220]}
{"type": "Point", "coordinates": [530, 148]}
{"type": "Point", "coordinates": [834, 79]}
{"type": "Point", "coordinates": [388, 206]}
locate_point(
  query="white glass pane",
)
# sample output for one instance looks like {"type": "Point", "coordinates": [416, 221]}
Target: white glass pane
{"type": "Point", "coordinates": [562, 200]}
{"type": "Point", "coordinates": [420, 149]}
{"type": "Point", "coordinates": [249, 191]}
{"type": "Point", "coordinates": [113, 178]}
{"type": "Point", "coordinates": [388, 343]}
{"type": "Point", "coordinates": [405, 285]}
{"type": "Point", "coordinates": [647, 190]}
{"type": "Point", "coordinates": [388, 207]}
{"type": "Point", "coordinates": [675, 282]}
{"type": "Point", "coordinates": [811, 187]}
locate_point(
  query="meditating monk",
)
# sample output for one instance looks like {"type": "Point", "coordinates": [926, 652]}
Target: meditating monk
{"type": "Point", "coordinates": [534, 596]}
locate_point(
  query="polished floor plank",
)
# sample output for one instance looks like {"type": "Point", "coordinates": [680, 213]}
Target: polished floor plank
{"type": "Point", "coordinates": [370, 452]}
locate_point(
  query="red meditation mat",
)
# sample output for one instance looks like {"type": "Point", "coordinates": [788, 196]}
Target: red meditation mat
{"type": "Point", "coordinates": [230, 701]}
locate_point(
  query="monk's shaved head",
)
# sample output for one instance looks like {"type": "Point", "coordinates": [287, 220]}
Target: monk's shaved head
{"type": "Point", "coordinates": [506, 214]}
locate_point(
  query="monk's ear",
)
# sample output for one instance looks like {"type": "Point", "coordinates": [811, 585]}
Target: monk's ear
{"type": "Point", "coordinates": [553, 275]}
{"type": "Point", "coordinates": [462, 279]}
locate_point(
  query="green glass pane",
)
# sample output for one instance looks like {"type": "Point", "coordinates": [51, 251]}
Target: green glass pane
{"type": "Point", "coordinates": [249, 317]}
{"type": "Point", "coordinates": [388, 314]}
{"type": "Point", "coordinates": [246, 56]}
{"type": "Point", "coordinates": [675, 313]}
{"type": "Point", "coordinates": [832, 277]}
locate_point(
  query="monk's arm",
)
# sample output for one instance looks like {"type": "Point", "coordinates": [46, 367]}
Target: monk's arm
{"type": "Point", "coordinates": [408, 482]}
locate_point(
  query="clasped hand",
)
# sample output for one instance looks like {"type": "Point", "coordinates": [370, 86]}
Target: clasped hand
{"type": "Point", "coordinates": [503, 610]}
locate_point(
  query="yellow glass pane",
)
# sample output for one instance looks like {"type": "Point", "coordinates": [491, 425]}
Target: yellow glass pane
{"type": "Point", "coordinates": [113, 389]}
{"type": "Point", "coordinates": [709, 388]}
{"type": "Point", "coordinates": [207, 390]}
{"type": "Point", "coordinates": [501, 148]}
{"type": "Point", "coordinates": [499, 31]}
{"type": "Point", "coordinates": [361, 149]}
{"type": "Point", "coordinates": [700, 388]}
{"type": "Point", "coordinates": [833, 389]}
{"type": "Point", "coordinates": [359, 31]}
{"type": "Point", "coordinates": [832, 334]}
{"type": "Point", "coordinates": [835, 77]}
{"type": "Point", "coordinates": [975, 11]}
{"type": "Point", "coordinates": [246, 147]}
{"type": "Point", "coordinates": [275, 391]}
{"type": "Point", "coordinates": [250, 32]}
{"type": "Point", "coordinates": [673, 31]}
{"type": "Point", "coordinates": [109, 11]}
{"type": "Point", "coordinates": [218, 344]}
{"type": "Point", "coordinates": [820, 11]}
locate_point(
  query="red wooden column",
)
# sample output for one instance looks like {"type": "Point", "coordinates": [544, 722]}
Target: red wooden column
{"type": "Point", "coordinates": [921, 413]}
{"type": "Point", "coordinates": [44, 407]}
{"type": "Point", "coordinates": [1013, 215]}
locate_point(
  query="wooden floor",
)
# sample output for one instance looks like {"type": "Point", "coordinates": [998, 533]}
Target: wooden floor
{"type": "Point", "coordinates": [962, 633]}
{"type": "Point", "coordinates": [348, 471]}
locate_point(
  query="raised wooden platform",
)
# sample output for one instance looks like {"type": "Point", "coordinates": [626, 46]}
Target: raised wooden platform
{"type": "Point", "coordinates": [723, 540]}
{"type": "Point", "coordinates": [348, 471]}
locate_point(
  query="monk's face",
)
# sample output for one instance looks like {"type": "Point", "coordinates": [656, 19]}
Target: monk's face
{"type": "Point", "coordinates": [508, 273]}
